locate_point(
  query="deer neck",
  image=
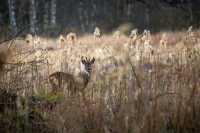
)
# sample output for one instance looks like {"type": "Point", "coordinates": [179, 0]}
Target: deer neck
{"type": "Point", "coordinates": [85, 78]}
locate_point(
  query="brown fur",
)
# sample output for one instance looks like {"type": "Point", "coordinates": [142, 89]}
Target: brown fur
{"type": "Point", "coordinates": [61, 81]}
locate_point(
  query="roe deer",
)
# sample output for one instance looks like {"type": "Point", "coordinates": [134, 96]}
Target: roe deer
{"type": "Point", "coordinates": [62, 81]}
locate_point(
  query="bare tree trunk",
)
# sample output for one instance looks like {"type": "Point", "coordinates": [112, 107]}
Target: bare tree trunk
{"type": "Point", "coordinates": [190, 10]}
{"type": "Point", "coordinates": [81, 18]}
{"type": "Point", "coordinates": [129, 9]}
{"type": "Point", "coordinates": [1, 19]}
{"type": "Point", "coordinates": [12, 18]}
{"type": "Point", "coordinates": [93, 15]}
{"type": "Point", "coordinates": [118, 9]}
{"type": "Point", "coordinates": [46, 15]}
{"type": "Point", "coordinates": [86, 18]}
{"type": "Point", "coordinates": [33, 19]}
{"type": "Point", "coordinates": [147, 17]}
{"type": "Point", "coordinates": [53, 12]}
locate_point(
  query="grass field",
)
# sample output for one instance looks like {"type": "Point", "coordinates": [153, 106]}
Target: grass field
{"type": "Point", "coordinates": [134, 88]}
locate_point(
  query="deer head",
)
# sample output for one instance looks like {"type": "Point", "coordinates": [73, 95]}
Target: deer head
{"type": "Point", "coordinates": [86, 64]}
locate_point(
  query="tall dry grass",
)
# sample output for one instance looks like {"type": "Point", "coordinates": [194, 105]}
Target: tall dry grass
{"type": "Point", "coordinates": [130, 91]}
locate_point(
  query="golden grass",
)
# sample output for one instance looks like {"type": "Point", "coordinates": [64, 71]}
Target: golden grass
{"type": "Point", "coordinates": [158, 93]}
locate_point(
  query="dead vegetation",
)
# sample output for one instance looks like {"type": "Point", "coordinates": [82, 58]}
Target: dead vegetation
{"type": "Point", "coordinates": [71, 38]}
{"type": "Point", "coordinates": [151, 86]}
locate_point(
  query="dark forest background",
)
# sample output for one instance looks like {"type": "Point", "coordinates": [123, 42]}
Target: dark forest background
{"type": "Point", "coordinates": [82, 16]}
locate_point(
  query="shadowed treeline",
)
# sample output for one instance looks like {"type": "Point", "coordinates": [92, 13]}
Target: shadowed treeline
{"type": "Point", "coordinates": [54, 17]}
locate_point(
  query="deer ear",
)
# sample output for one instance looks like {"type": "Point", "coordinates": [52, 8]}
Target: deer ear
{"type": "Point", "coordinates": [86, 59]}
{"type": "Point", "coordinates": [93, 60]}
{"type": "Point", "coordinates": [82, 60]}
